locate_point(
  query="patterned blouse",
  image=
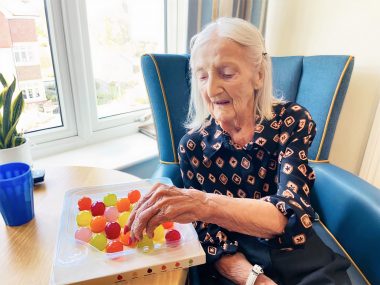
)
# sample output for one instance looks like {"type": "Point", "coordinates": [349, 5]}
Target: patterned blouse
{"type": "Point", "coordinates": [272, 167]}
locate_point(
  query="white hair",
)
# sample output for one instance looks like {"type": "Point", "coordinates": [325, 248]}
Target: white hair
{"type": "Point", "coordinates": [247, 35]}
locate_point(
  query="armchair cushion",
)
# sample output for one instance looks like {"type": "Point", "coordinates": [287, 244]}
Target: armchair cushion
{"type": "Point", "coordinates": [350, 209]}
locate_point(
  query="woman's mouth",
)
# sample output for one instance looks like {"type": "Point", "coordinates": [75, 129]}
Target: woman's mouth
{"type": "Point", "coordinates": [222, 102]}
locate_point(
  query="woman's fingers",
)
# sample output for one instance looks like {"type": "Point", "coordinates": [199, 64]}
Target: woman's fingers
{"type": "Point", "coordinates": [173, 208]}
{"type": "Point", "coordinates": [145, 210]}
{"type": "Point", "coordinates": [154, 222]}
{"type": "Point", "coordinates": [165, 203]}
{"type": "Point", "coordinates": [141, 202]}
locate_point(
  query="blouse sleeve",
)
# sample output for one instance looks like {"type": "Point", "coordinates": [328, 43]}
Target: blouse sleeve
{"type": "Point", "coordinates": [295, 178]}
{"type": "Point", "coordinates": [214, 239]}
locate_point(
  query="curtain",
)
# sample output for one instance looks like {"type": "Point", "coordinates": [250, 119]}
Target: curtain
{"type": "Point", "coordinates": [202, 12]}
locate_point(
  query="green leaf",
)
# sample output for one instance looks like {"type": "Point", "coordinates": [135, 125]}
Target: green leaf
{"type": "Point", "coordinates": [2, 96]}
{"type": "Point", "coordinates": [17, 140]}
{"type": "Point", "coordinates": [7, 125]}
{"type": "Point", "coordinates": [10, 135]}
{"type": "Point", "coordinates": [1, 130]}
{"type": "Point", "coordinates": [16, 109]}
{"type": "Point", "coordinates": [3, 81]}
{"type": "Point", "coordinates": [1, 145]}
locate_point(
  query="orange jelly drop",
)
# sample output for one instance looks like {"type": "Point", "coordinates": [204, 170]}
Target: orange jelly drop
{"type": "Point", "coordinates": [123, 204]}
{"type": "Point", "coordinates": [126, 239]}
{"type": "Point", "coordinates": [134, 196]}
{"type": "Point", "coordinates": [167, 225]}
{"type": "Point", "coordinates": [114, 246]}
{"type": "Point", "coordinates": [98, 224]}
{"type": "Point", "coordinates": [84, 203]}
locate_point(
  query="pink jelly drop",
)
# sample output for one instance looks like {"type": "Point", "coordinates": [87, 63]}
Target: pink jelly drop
{"type": "Point", "coordinates": [112, 230]}
{"type": "Point", "coordinates": [111, 214]}
{"type": "Point", "coordinates": [172, 236]}
{"type": "Point", "coordinates": [83, 234]}
{"type": "Point", "coordinates": [97, 208]}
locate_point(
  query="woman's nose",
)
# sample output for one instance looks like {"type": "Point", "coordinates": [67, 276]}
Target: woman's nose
{"type": "Point", "coordinates": [213, 86]}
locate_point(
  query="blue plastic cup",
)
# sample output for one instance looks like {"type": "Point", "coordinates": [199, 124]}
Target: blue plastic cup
{"type": "Point", "coordinates": [16, 193]}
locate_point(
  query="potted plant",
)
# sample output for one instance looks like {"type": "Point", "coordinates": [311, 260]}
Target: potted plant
{"type": "Point", "coordinates": [13, 145]}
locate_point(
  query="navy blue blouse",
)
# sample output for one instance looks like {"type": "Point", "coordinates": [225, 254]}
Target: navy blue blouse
{"type": "Point", "coordinates": [272, 167]}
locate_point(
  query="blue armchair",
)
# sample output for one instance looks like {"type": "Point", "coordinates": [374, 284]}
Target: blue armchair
{"type": "Point", "coordinates": [348, 207]}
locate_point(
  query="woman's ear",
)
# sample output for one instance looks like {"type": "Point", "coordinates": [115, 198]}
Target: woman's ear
{"type": "Point", "coordinates": [259, 79]}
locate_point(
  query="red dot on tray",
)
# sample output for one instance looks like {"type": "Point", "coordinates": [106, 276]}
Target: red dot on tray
{"type": "Point", "coordinates": [149, 270]}
{"type": "Point", "coordinates": [163, 267]}
{"type": "Point", "coordinates": [119, 277]}
{"type": "Point", "coordinates": [177, 264]}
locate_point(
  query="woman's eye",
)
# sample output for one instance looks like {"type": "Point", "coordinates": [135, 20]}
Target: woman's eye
{"type": "Point", "coordinates": [228, 75]}
{"type": "Point", "coordinates": [202, 77]}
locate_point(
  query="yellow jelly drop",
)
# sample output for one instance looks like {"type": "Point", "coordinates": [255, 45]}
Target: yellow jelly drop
{"type": "Point", "coordinates": [84, 218]}
{"type": "Point", "coordinates": [110, 200]}
{"type": "Point", "coordinates": [159, 234]}
{"type": "Point", "coordinates": [146, 244]}
{"type": "Point", "coordinates": [99, 241]}
{"type": "Point", "coordinates": [123, 218]}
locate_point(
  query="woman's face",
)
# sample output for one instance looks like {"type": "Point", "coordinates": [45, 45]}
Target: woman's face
{"type": "Point", "coordinates": [226, 81]}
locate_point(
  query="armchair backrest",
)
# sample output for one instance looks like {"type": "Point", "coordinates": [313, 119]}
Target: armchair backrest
{"type": "Point", "coordinates": [318, 83]}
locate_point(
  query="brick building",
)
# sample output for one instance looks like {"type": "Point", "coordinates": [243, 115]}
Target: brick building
{"type": "Point", "coordinates": [19, 52]}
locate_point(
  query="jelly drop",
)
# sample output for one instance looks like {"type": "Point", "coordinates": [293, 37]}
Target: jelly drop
{"type": "Point", "coordinates": [110, 200]}
{"type": "Point", "coordinates": [98, 224]}
{"type": "Point", "coordinates": [123, 205]}
{"type": "Point", "coordinates": [123, 218]}
{"type": "Point", "coordinates": [83, 234]}
{"type": "Point", "coordinates": [114, 246]}
{"type": "Point", "coordinates": [126, 239]}
{"type": "Point", "coordinates": [172, 236]}
{"type": "Point", "coordinates": [84, 203]}
{"type": "Point", "coordinates": [99, 241]}
{"type": "Point", "coordinates": [111, 214]}
{"type": "Point", "coordinates": [168, 225]}
{"type": "Point", "coordinates": [84, 218]}
{"type": "Point", "coordinates": [98, 208]}
{"type": "Point", "coordinates": [134, 196]}
{"type": "Point", "coordinates": [146, 244]}
{"type": "Point", "coordinates": [112, 230]}
{"type": "Point", "coordinates": [159, 234]}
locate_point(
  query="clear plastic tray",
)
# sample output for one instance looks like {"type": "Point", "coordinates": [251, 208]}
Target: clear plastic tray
{"type": "Point", "coordinates": [71, 253]}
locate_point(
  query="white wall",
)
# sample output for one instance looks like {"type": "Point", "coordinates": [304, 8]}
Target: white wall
{"type": "Point", "coordinates": [305, 27]}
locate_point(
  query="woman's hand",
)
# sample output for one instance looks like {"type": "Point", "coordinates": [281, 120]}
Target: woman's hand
{"type": "Point", "coordinates": [237, 268]}
{"type": "Point", "coordinates": [165, 203]}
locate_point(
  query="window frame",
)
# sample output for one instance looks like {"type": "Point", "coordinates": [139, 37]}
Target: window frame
{"type": "Point", "coordinates": [69, 44]}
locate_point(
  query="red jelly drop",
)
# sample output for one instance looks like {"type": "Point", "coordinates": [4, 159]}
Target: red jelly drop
{"type": "Point", "coordinates": [112, 230]}
{"type": "Point", "coordinates": [98, 208]}
{"type": "Point", "coordinates": [172, 236]}
{"type": "Point", "coordinates": [84, 203]}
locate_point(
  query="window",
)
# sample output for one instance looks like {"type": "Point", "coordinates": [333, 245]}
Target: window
{"type": "Point", "coordinates": [77, 64]}
{"type": "Point", "coordinates": [26, 53]}
{"type": "Point", "coordinates": [26, 47]}
{"type": "Point", "coordinates": [119, 35]}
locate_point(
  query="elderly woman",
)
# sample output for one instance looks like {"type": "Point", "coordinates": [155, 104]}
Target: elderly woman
{"type": "Point", "coordinates": [245, 170]}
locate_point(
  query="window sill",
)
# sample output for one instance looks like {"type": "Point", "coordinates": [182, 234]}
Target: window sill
{"type": "Point", "coordinates": [117, 153]}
